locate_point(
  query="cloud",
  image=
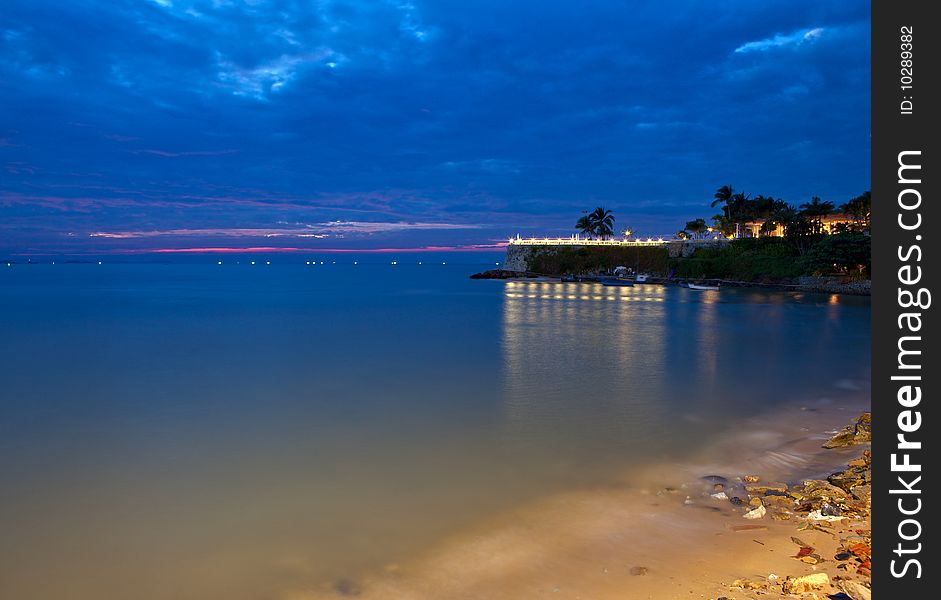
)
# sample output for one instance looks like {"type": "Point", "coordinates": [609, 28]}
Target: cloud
{"type": "Point", "coordinates": [796, 38]}
{"type": "Point", "coordinates": [209, 232]}
{"type": "Point", "coordinates": [169, 154]}
{"type": "Point", "coordinates": [316, 231]}
{"type": "Point", "coordinates": [413, 122]}
{"type": "Point", "coordinates": [371, 227]}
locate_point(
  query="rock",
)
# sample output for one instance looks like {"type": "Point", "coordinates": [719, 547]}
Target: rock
{"type": "Point", "coordinates": [847, 480]}
{"type": "Point", "coordinates": [720, 496]}
{"type": "Point", "coordinates": [746, 584]}
{"type": "Point", "coordinates": [783, 502]}
{"type": "Point", "coordinates": [855, 590]}
{"type": "Point", "coordinates": [756, 513]}
{"type": "Point", "coordinates": [751, 479]}
{"type": "Point", "coordinates": [715, 479]}
{"type": "Point", "coordinates": [858, 433]}
{"type": "Point", "coordinates": [761, 489]}
{"type": "Point", "coordinates": [346, 587]}
{"type": "Point", "coordinates": [736, 501]}
{"type": "Point", "coordinates": [806, 583]}
{"type": "Point", "coordinates": [863, 493]}
{"type": "Point", "coordinates": [502, 274]}
{"type": "Point", "coordinates": [637, 571]}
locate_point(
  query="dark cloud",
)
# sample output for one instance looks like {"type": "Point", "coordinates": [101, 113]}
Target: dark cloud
{"type": "Point", "coordinates": [170, 115]}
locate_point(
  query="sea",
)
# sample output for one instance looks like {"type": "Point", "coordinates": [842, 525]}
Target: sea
{"type": "Point", "coordinates": [233, 427]}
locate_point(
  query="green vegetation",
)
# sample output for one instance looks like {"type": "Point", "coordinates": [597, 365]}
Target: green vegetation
{"type": "Point", "coordinates": [739, 208]}
{"type": "Point", "coordinates": [848, 253]}
{"type": "Point", "coordinates": [598, 223]}
{"type": "Point", "coordinates": [747, 259]}
{"type": "Point", "coordinates": [805, 248]}
{"type": "Point", "coordinates": [771, 259]}
{"type": "Point", "coordinates": [591, 259]}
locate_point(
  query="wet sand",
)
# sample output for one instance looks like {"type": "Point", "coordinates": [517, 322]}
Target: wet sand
{"type": "Point", "coordinates": [654, 534]}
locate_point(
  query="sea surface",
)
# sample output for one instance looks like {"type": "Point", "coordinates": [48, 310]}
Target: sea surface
{"type": "Point", "coordinates": [233, 431]}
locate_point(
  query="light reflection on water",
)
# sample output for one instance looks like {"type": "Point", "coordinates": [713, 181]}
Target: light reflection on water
{"type": "Point", "coordinates": [202, 431]}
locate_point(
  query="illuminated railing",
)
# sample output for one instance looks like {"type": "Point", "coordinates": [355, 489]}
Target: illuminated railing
{"type": "Point", "coordinates": [577, 241]}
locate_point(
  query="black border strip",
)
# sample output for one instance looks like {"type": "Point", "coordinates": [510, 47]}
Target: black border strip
{"type": "Point", "coordinates": [903, 129]}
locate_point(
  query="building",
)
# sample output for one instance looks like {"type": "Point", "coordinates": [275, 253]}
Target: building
{"type": "Point", "coordinates": [828, 223]}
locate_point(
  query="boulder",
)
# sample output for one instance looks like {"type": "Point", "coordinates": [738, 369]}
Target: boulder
{"type": "Point", "coordinates": [806, 583]}
{"type": "Point", "coordinates": [858, 433]}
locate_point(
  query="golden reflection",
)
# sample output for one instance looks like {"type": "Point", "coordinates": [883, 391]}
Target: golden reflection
{"type": "Point", "coordinates": [572, 358]}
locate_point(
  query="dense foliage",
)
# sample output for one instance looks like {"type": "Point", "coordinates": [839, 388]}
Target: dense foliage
{"type": "Point", "coordinates": [592, 259]}
{"type": "Point", "coordinates": [771, 259]}
{"type": "Point", "coordinates": [748, 259]}
{"type": "Point", "coordinates": [846, 253]}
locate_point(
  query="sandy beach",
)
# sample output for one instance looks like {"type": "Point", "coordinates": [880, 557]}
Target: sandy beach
{"type": "Point", "coordinates": [659, 533]}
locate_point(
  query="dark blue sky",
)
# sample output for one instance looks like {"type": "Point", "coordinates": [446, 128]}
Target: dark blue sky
{"type": "Point", "coordinates": [166, 124]}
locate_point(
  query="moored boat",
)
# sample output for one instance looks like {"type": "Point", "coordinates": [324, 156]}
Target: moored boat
{"type": "Point", "coordinates": [616, 282]}
{"type": "Point", "coordinates": [702, 288]}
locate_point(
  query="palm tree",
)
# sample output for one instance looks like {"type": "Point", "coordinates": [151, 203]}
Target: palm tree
{"type": "Point", "coordinates": [815, 209]}
{"type": "Point", "coordinates": [723, 195]}
{"type": "Point", "coordinates": [602, 221]}
{"type": "Point", "coordinates": [585, 226]}
{"type": "Point", "coordinates": [859, 208]}
{"type": "Point", "coordinates": [697, 227]}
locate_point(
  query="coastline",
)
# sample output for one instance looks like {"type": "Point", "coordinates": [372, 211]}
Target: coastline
{"type": "Point", "coordinates": [813, 285]}
{"type": "Point", "coordinates": [654, 533]}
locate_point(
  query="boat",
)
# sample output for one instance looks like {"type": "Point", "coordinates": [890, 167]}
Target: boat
{"type": "Point", "coordinates": [641, 278]}
{"type": "Point", "coordinates": [615, 282]}
{"type": "Point", "coordinates": [702, 288]}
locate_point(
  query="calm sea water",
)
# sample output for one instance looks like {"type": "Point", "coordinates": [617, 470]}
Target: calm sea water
{"type": "Point", "coordinates": [204, 431]}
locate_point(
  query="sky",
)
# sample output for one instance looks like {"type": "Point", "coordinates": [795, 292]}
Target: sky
{"type": "Point", "coordinates": [129, 127]}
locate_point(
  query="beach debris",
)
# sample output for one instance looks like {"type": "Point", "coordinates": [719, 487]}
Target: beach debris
{"type": "Point", "coordinates": [817, 515]}
{"type": "Point", "coordinates": [859, 432]}
{"type": "Point", "coordinates": [805, 583]}
{"type": "Point", "coordinates": [638, 571]}
{"type": "Point", "coordinates": [805, 552]}
{"type": "Point", "coordinates": [749, 528]}
{"type": "Point", "coordinates": [858, 549]}
{"type": "Point", "coordinates": [802, 543]}
{"type": "Point", "coordinates": [756, 513]}
{"type": "Point", "coordinates": [720, 496]}
{"type": "Point", "coordinates": [751, 479]}
{"type": "Point", "coordinates": [736, 501]}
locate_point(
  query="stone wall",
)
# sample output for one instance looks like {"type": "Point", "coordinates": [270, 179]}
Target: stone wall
{"type": "Point", "coordinates": [685, 248]}
{"type": "Point", "coordinates": [516, 257]}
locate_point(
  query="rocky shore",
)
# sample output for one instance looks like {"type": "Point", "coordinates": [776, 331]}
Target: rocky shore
{"type": "Point", "coordinates": [837, 507]}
